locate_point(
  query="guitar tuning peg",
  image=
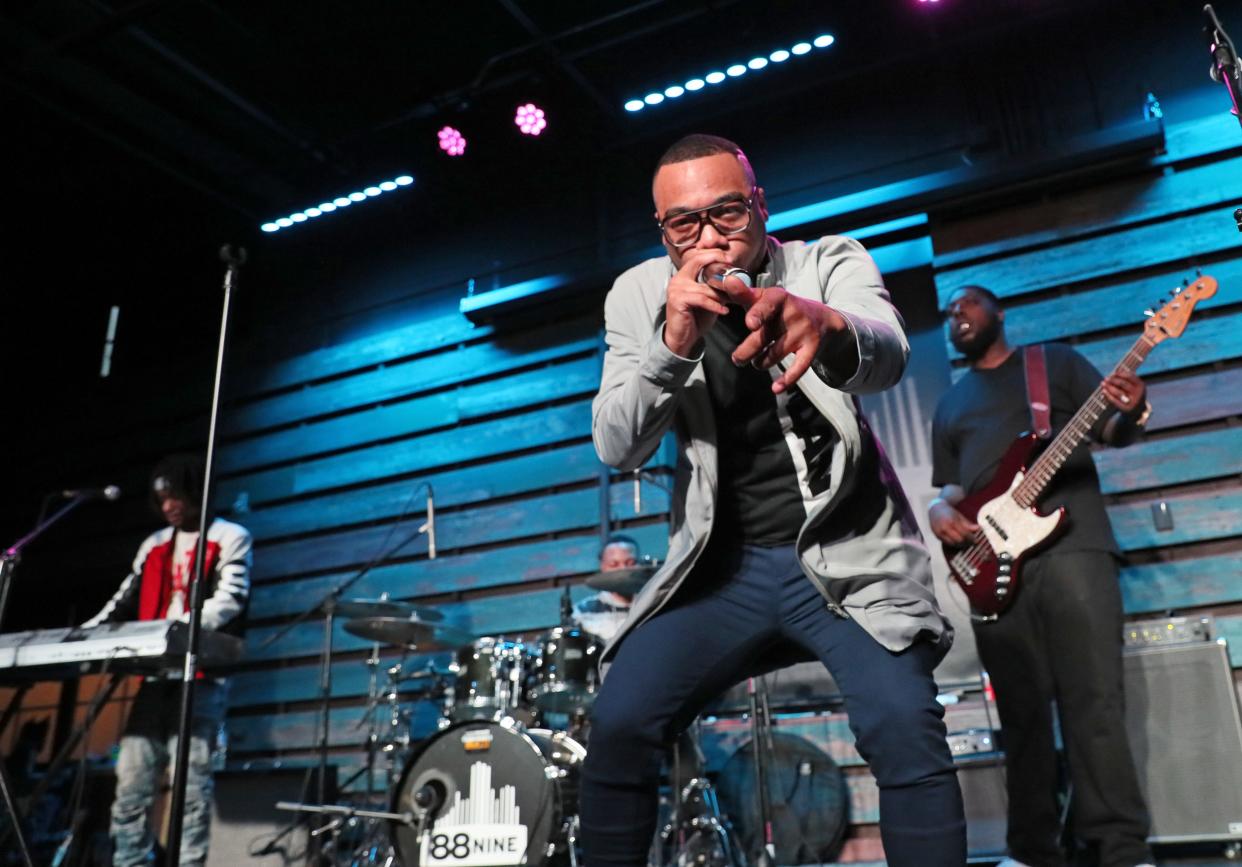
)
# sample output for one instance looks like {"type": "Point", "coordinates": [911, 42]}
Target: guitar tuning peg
{"type": "Point", "coordinates": [1149, 312]}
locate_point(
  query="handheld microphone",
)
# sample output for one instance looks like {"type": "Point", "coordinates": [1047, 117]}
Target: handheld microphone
{"type": "Point", "coordinates": [430, 526]}
{"type": "Point", "coordinates": [567, 608]}
{"type": "Point", "coordinates": [718, 271]}
{"type": "Point", "coordinates": [110, 493]}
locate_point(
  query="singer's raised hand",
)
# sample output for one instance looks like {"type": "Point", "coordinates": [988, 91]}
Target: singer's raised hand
{"type": "Point", "coordinates": [692, 307]}
{"type": "Point", "coordinates": [782, 324]}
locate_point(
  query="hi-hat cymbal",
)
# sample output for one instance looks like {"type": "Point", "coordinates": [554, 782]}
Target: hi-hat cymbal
{"type": "Point", "coordinates": [410, 631]}
{"type": "Point", "coordinates": [624, 581]}
{"type": "Point", "coordinates": [353, 608]}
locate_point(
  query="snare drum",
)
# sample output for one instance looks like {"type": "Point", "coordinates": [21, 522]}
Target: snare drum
{"type": "Point", "coordinates": [566, 670]}
{"type": "Point", "coordinates": [491, 674]}
{"type": "Point", "coordinates": [493, 794]}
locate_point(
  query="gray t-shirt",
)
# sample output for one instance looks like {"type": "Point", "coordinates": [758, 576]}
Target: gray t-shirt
{"type": "Point", "coordinates": [980, 416]}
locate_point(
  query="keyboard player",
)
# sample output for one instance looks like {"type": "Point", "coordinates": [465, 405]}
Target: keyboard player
{"type": "Point", "coordinates": [157, 588]}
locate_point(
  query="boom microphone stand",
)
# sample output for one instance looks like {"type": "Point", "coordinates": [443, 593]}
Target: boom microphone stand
{"type": "Point", "coordinates": [1225, 68]}
{"type": "Point", "coordinates": [233, 258]}
{"type": "Point", "coordinates": [8, 565]}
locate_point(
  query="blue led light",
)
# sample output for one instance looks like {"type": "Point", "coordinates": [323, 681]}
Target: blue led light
{"type": "Point", "coordinates": [736, 70]}
{"type": "Point", "coordinates": [330, 205]}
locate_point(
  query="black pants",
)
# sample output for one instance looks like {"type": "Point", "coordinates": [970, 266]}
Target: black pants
{"type": "Point", "coordinates": [1061, 640]}
{"type": "Point", "coordinates": [670, 666]}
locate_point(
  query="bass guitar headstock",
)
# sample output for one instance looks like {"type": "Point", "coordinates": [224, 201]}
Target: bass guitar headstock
{"type": "Point", "coordinates": [1172, 317]}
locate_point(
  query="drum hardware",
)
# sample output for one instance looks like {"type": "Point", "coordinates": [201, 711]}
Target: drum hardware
{"type": "Point", "coordinates": [627, 582]}
{"type": "Point", "coordinates": [385, 607]}
{"type": "Point", "coordinates": [410, 631]}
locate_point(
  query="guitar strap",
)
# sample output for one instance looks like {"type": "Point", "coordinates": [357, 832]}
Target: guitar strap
{"type": "Point", "coordinates": [1036, 370]}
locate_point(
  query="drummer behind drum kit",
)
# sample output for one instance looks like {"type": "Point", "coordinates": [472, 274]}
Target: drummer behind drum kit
{"type": "Point", "coordinates": [497, 784]}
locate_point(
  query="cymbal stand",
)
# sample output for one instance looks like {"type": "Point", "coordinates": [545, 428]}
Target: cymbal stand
{"type": "Point", "coordinates": [760, 733]}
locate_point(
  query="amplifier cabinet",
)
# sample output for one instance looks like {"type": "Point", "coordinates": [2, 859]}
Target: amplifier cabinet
{"type": "Point", "coordinates": [1186, 736]}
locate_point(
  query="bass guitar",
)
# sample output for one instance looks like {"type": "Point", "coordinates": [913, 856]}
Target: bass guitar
{"type": "Point", "coordinates": [1011, 528]}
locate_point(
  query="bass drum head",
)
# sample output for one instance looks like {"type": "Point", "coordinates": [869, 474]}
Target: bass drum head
{"type": "Point", "coordinates": [807, 793]}
{"type": "Point", "coordinates": [494, 801]}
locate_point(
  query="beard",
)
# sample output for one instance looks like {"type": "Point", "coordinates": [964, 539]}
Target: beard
{"type": "Point", "coordinates": [975, 342]}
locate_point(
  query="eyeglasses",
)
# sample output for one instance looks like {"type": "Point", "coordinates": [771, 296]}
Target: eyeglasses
{"type": "Point", "coordinates": [727, 218]}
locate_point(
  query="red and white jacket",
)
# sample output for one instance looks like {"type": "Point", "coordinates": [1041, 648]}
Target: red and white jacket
{"type": "Point", "coordinates": [145, 593]}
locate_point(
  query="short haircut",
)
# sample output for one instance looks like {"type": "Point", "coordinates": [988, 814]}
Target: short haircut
{"type": "Point", "coordinates": [980, 290]}
{"type": "Point", "coordinates": [618, 539]}
{"type": "Point", "coordinates": [698, 145]}
{"type": "Point", "coordinates": [181, 475]}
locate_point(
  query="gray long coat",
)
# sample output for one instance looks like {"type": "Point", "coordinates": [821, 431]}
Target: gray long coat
{"type": "Point", "coordinates": [867, 558]}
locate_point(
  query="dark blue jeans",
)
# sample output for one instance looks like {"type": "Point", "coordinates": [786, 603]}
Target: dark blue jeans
{"type": "Point", "coordinates": [732, 612]}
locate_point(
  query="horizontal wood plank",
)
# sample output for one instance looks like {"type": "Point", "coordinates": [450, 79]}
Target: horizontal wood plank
{"type": "Point", "coordinates": [1196, 518]}
{"type": "Point", "coordinates": [460, 486]}
{"type": "Point", "coordinates": [405, 379]}
{"type": "Point", "coordinates": [513, 564]}
{"type": "Point", "coordinates": [1152, 196]}
{"type": "Point", "coordinates": [576, 377]}
{"type": "Point", "coordinates": [330, 361]}
{"type": "Point", "coordinates": [1179, 584]}
{"type": "Point", "coordinates": [1203, 396]}
{"type": "Point", "coordinates": [481, 525]}
{"type": "Point", "coordinates": [1176, 460]}
{"type": "Point", "coordinates": [1179, 240]}
{"type": "Point", "coordinates": [473, 442]}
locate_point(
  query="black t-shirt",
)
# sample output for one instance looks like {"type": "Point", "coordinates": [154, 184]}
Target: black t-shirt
{"type": "Point", "coordinates": [980, 416]}
{"type": "Point", "coordinates": [760, 498]}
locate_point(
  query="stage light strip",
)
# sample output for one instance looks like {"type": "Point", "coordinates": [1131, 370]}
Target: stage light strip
{"type": "Point", "coordinates": [724, 73]}
{"type": "Point", "coordinates": [336, 204]}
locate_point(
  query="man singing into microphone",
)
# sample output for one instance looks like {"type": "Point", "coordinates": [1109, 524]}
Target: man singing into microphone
{"type": "Point", "coordinates": [158, 588]}
{"type": "Point", "coordinates": [791, 537]}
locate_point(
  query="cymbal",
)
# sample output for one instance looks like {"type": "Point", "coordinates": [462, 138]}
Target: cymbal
{"type": "Point", "coordinates": [385, 608]}
{"type": "Point", "coordinates": [410, 631]}
{"type": "Point", "coordinates": [624, 581]}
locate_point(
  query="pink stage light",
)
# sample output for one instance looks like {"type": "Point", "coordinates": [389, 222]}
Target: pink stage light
{"type": "Point", "coordinates": [452, 142]}
{"type": "Point", "coordinates": [530, 119]}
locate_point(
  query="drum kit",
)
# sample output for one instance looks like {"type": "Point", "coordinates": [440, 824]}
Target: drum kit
{"type": "Point", "coordinates": [497, 782]}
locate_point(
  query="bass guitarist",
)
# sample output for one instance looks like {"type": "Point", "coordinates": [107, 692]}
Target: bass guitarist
{"type": "Point", "coordinates": [1059, 640]}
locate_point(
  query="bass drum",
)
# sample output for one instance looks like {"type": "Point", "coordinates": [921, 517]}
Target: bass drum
{"type": "Point", "coordinates": [494, 795]}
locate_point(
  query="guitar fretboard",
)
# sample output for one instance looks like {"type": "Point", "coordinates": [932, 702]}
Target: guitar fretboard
{"type": "Point", "coordinates": [1051, 460]}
